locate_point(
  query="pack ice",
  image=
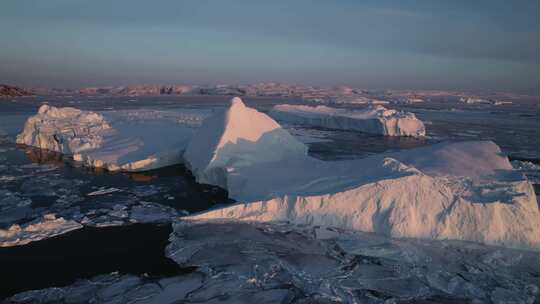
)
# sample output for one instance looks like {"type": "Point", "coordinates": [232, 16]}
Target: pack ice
{"type": "Point", "coordinates": [458, 191]}
{"type": "Point", "coordinates": [375, 119]}
{"type": "Point", "coordinates": [131, 140]}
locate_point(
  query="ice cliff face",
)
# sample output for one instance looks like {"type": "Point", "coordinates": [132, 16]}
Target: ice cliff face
{"type": "Point", "coordinates": [375, 120]}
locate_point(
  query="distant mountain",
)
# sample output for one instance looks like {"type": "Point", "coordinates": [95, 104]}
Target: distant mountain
{"type": "Point", "coordinates": [137, 90]}
{"type": "Point", "coordinates": [11, 91]}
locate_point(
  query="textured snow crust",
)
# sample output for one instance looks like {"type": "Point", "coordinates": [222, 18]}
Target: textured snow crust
{"type": "Point", "coordinates": [376, 119]}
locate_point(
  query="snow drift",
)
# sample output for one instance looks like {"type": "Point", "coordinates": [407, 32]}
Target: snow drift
{"type": "Point", "coordinates": [375, 120]}
{"type": "Point", "coordinates": [132, 140]}
{"type": "Point", "coordinates": [461, 191]}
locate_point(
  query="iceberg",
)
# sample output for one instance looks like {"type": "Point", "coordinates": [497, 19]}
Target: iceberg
{"type": "Point", "coordinates": [238, 137]}
{"type": "Point", "coordinates": [450, 191]}
{"type": "Point", "coordinates": [376, 119]}
{"type": "Point", "coordinates": [132, 140]}
{"type": "Point", "coordinates": [64, 130]}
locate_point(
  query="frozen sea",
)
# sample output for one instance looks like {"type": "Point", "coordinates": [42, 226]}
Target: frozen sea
{"type": "Point", "coordinates": [137, 209]}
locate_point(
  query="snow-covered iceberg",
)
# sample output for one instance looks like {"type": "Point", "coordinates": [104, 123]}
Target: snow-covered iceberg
{"type": "Point", "coordinates": [131, 140]}
{"type": "Point", "coordinates": [461, 191]}
{"type": "Point", "coordinates": [375, 120]}
{"type": "Point", "coordinates": [238, 137]}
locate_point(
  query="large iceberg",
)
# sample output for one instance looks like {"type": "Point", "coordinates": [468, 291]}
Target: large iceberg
{"type": "Point", "coordinates": [375, 120]}
{"type": "Point", "coordinates": [131, 140]}
{"type": "Point", "coordinates": [461, 191]}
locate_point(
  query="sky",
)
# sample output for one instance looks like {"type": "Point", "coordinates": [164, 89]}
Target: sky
{"type": "Point", "coordinates": [373, 44]}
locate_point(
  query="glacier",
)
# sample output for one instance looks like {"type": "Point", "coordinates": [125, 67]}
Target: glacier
{"type": "Point", "coordinates": [376, 119]}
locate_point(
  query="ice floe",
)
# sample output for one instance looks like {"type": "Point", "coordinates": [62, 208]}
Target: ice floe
{"type": "Point", "coordinates": [46, 227]}
{"type": "Point", "coordinates": [103, 191]}
{"type": "Point", "coordinates": [375, 120]}
{"type": "Point", "coordinates": [461, 191]}
{"type": "Point", "coordinates": [35, 190]}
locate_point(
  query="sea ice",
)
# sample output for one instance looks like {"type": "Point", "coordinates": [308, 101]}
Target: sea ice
{"type": "Point", "coordinates": [375, 120]}
{"type": "Point", "coordinates": [237, 262]}
{"type": "Point", "coordinates": [103, 191]}
{"type": "Point", "coordinates": [40, 229]}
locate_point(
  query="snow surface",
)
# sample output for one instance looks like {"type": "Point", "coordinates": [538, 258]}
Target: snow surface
{"type": "Point", "coordinates": [40, 229]}
{"type": "Point", "coordinates": [375, 120]}
{"type": "Point", "coordinates": [460, 191]}
{"type": "Point", "coordinates": [133, 140]}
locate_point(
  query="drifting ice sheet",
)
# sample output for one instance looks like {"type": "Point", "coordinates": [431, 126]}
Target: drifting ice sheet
{"type": "Point", "coordinates": [376, 120]}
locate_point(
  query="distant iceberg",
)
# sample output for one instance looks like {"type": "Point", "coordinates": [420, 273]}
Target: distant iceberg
{"type": "Point", "coordinates": [376, 119]}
